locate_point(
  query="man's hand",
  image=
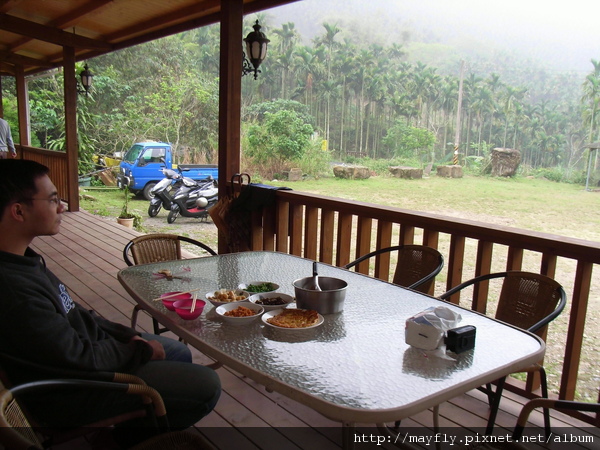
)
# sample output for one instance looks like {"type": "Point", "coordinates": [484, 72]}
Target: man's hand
{"type": "Point", "coordinates": [158, 351]}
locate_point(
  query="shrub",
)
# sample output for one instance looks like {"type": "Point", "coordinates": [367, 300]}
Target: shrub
{"type": "Point", "coordinates": [315, 161]}
{"type": "Point", "coordinates": [282, 137]}
{"type": "Point", "coordinates": [406, 141]}
{"type": "Point", "coordinates": [551, 173]}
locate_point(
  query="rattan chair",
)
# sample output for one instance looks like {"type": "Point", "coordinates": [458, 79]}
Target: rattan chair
{"type": "Point", "coordinates": [416, 268]}
{"type": "Point", "coordinates": [18, 431]}
{"type": "Point", "coordinates": [529, 301]}
{"type": "Point", "coordinates": [151, 248]}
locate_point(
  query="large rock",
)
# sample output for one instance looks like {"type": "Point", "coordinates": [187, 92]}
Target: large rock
{"type": "Point", "coordinates": [505, 162]}
{"type": "Point", "coordinates": [351, 172]}
{"type": "Point", "coordinates": [408, 173]}
{"type": "Point", "coordinates": [453, 171]}
{"type": "Point", "coordinates": [295, 175]}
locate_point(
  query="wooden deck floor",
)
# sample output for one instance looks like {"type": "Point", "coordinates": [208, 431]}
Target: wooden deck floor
{"type": "Point", "coordinates": [87, 255]}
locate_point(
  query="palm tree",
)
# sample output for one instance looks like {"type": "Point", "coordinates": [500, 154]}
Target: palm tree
{"type": "Point", "coordinates": [591, 92]}
{"type": "Point", "coordinates": [494, 84]}
{"type": "Point", "coordinates": [288, 36]}
{"type": "Point", "coordinates": [343, 66]}
{"type": "Point", "coordinates": [511, 96]}
{"type": "Point", "coordinates": [328, 40]}
{"type": "Point", "coordinates": [285, 62]}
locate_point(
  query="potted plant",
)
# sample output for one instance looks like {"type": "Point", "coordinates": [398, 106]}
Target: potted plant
{"type": "Point", "coordinates": [128, 218]}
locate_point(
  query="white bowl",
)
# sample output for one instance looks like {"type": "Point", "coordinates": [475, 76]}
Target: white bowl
{"type": "Point", "coordinates": [259, 285]}
{"type": "Point", "coordinates": [210, 296]}
{"type": "Point", "coordinates": [221, 310]}
{"type": "Point", "coordinates": [266, 316]}
{"type": "Point", "coordinates": [287, 299]}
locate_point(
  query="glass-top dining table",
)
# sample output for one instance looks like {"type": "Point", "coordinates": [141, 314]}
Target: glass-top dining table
{"type": "Point", "coordinates": [356, 366]}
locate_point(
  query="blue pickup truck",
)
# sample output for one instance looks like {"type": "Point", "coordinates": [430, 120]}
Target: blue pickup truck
{"type": "Point", "coordinates": [142, 164]}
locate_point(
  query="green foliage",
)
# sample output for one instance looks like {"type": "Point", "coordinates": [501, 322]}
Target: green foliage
{"type": "Point", "coordinates": [126, 213]}
{"type": "Point", "coordinates": [556, 174]}
{"type": "Point", "coordinates": [258, 112]}
{"type": "Point", "coordinates": [475, 164]}
{"type": "Point", "coordinates": [315, 161]}
{"type": "Point", "coordinates": [362, 97]}
{"type": "Point", "coordinates": [9, 103]}
{"type": "Point", "coordinates": [406, 141]}
{"type": "Point", "coordinates": [553, 174]}
{"type": "Point", "coordinates": [283, 136]}
{"type": "Point", "coordinates": [85, 142]}
{"type": "Point", "coordinates": [577, 177]}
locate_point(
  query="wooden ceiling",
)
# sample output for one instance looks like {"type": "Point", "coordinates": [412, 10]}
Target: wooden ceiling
{"type": "Point", "coordinates": [34, 32]}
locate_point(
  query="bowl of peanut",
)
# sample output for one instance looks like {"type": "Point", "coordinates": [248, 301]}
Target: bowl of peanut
{"type": "Point", "coordinates": [225, 296]}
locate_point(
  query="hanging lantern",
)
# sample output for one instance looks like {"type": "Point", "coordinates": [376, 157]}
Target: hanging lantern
{"type": "Point", "coordinates": [256, 50]}
{"type": "Point", "coordinates": [86, 79]}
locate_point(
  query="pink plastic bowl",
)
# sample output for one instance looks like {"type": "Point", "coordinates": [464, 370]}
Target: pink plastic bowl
{"type": "Point", "coordinates": [183, 308]}
{"type": "Point", "coordinates": [172, 298]}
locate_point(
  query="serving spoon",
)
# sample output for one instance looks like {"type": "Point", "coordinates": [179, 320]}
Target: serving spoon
{"type": "Point", "coordinates": [315, 286]}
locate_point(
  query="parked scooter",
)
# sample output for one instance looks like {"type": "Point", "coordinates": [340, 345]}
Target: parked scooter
{"type": "Point", "coordinates": [161, 192]}
{"type": "Point", "coordinates": [194, 199]}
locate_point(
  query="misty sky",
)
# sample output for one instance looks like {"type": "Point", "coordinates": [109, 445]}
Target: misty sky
{"type": "Point", "coordinates": [566, 33]}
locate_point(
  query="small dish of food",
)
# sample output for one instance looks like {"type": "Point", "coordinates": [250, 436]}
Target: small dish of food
{"type": "Point", "coordinates": [237, 314]}
{"type": "Point", "coordinates": [292, 319]}
{"type": "Point", "coordinates": [255, 287]}
{"type": "Point", "coordinates": [272, 300]}
{"type": "Point", "coordinates": [224, 296]}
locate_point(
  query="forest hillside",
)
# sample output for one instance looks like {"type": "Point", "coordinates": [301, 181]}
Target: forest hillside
{"type": "Point", "coordinates": [370, 80]}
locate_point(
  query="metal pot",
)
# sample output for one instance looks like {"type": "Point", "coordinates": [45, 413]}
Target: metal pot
{"type": "Point", "coordinates": [329, 300]}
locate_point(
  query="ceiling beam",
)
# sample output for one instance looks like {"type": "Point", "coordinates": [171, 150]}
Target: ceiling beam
{"type": "Point", "coordinates": [206, 8]}
{"type": "Point", "coordinates": [158, 34]}
{"type": "Point", "coordinates": [13, 58]}
{"type": "Point", "coordinates": [7, 5]}
{"type": "Point", "coordinates": [48, 34]}
{"type": "Point", "coordinates": [68, 20]}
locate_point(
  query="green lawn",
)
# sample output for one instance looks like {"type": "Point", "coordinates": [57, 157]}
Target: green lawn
{"type": "Point", "coordinates": [533, 204]}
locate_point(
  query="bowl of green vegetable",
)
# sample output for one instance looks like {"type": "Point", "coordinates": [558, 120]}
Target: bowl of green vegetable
{"type": "Point", "coordinates": [258, 287]}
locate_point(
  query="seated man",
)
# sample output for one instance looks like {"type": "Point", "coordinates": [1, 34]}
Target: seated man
{"type": "Point", "coordinates": [41, 324]}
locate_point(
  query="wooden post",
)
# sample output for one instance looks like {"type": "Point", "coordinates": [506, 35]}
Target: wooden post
{"type": "Point", "coordinates": [70, 92]}
{"type": "Point", "coordinates": [230, 103]}
{"type": "Point", "coordinates": [22, 106]}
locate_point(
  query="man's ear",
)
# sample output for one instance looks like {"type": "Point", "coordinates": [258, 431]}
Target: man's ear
{"type": "Point", "coordinates": [15, 212]}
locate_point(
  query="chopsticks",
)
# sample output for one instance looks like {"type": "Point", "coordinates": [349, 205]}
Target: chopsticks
{"type": "Point", "coordinates": [175, 294]}
{"type": "Point", "coordinates": [194, 302]}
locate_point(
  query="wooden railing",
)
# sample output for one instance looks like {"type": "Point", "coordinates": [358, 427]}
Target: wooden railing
{"type": "Point", "coordinates": [336, 231]}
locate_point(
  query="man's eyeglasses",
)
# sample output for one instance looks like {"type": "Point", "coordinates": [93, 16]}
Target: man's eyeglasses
{"type": "Point", "coordinates": [54, 200]}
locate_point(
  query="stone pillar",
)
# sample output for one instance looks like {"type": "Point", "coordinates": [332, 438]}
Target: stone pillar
{"type": "Point", "coordinates": [408, 173]}
{"type": "Point", "coordinates": [352, 172]}
{"type": "Point", "coordinates": [453, 171]}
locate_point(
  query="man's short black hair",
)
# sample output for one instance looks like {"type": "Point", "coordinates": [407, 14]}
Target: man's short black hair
{"type": "Point", "coordinates": [17, 180]}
